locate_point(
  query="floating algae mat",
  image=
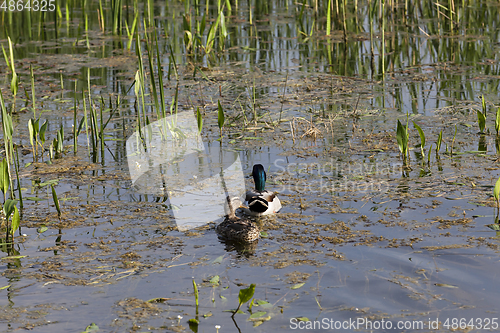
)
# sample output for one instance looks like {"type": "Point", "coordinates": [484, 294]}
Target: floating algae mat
{"type": "Point", "coordinates": [375, 122]}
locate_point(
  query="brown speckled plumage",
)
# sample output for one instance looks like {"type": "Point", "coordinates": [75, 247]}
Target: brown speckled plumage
{"type": "Point", "coordinates": [235, 229]}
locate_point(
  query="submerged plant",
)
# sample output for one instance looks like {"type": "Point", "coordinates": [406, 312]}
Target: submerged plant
{"type": "Point", "coordinates": [497, 122]}
{"type": "Point", "coordinates": [496, 194]}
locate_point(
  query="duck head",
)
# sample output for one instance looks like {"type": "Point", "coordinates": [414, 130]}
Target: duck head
{"type": "Point", "coordinates": [259, 177]}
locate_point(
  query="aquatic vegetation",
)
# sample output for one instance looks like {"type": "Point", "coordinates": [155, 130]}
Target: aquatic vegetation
{"type": "Point", "coordinates": [57, 144]}
{"type": "Point", "coordinates": [422, 138]}
{"type": "Point", "coordinates": [9, 205]}
{"type": "Point", "coordinates": [244, 296]}
{"type": "Point", "coordinates": [56, 200]}
{"type": "Point", "coordinates": [481, 121]}
{"type": "Point", "coordinates": [438, 142]}
{"type": "Point", "coordinates": [220, 118]}
{"type": "Point", "coordinates": [496, 194]}
{"type": "Point", "coordinates": [497, 122]}
{"type": "Point", "coordinates": [11, 212]}
{"type": "Point", "coordinates": [199, 120]}
{"type": "Point", "coordinates": [196, 295]}
{"type": "Point", "coordinates": [14, 83]}
{"type": "Point", "coordinates": [402, 138]}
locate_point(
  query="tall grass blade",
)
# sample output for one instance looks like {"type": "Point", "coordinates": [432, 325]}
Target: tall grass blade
{"type": "Point", "coordinates": [481, 121]}
{"type": "Point", "coordinates": [56, 201]}
{"type": "Point", "coordinates": [16, 221]}
{"type": "Point", "coordinates": [4, 178]}
{"type": "Point", "coordinates": [496, 193]}
{"type": "Point", "coordinates": [497, 122]}
{"type": "Point", "coordinates": [422, 137]}
{"type": "Point", "coordinates": [199, 120]}
{"type": "Point", "coordinates": [220, 118]}
{"type": "Point", "coordinates": [439, 141]}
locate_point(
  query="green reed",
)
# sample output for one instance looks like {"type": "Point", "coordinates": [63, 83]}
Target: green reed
{"type": "Point", "coordinates": [8, 130]}
{"type": "Point", "coordinates": [402, 138]}
{"type": "Point", "coordinates": [220, 118]}
{"type": "Point", "coordinates": [56, 200]}
{"type": "Point", "coordinates": [17, 167]}
{"type": "Point", "coordinates": [496, 194]}
{"type": "Point", "coordinates": [438, 142]}
{"type": "Point", "coordinates": [422, 138]}
{"type": "Point", "coordinates": [497, 122]}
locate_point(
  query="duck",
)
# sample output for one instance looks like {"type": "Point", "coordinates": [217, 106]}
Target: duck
{"type": "Point", "coordinates": [236, 229]}
{"type": "Point", "coordinates": [261, 201]}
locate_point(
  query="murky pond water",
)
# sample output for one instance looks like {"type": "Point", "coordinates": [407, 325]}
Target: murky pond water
{"type": "Point", "coordinates": [364, 241]}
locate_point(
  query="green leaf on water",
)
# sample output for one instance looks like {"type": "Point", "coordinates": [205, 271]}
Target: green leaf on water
{"type": "Point", "coordinates": [218, 260]}
{"type": "Point", "coordinates": [5, 287]}
{"type": "Point", "coordinates": [233, 310]}
{"type": "Point", "coordinates": [262, 303]}
{"type": "Point", "coordinates": [257, 314]}
{"type": "Point", "coordinates": [445, 285]}
{"type": "Point", "coordinates": [91, 328]}
{"type": "Point", "coordinates": [34, 198]}
{"type": "Point", "coordinates": [246, 294]}
{"type": "Point", "coordinates": [302, 318]}
{"type": "Point", "coordinates": [42, 228]}
{"type": "Point", "coordinates": [215, 280]}
{"type": "Point", "coordinates": [49, 182]}
{"type": "Point", "coordinates": [264, 234]}
{"type": "Point", "coordinates": [157, 300]}
{"type": "Point", "coordinates": [297, 286]}
{"type": "Point", "coordinates": [13, 257]}
{"type": "Point", "coordinates": [494, 226]}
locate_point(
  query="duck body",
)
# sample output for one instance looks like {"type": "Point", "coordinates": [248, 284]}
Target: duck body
{"type": "Point", "coordinates": [235, 229]}
{"type": "Point", "coordinates": [238, 230]}
{"type": "Point", "coordinates": [260, 201]}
